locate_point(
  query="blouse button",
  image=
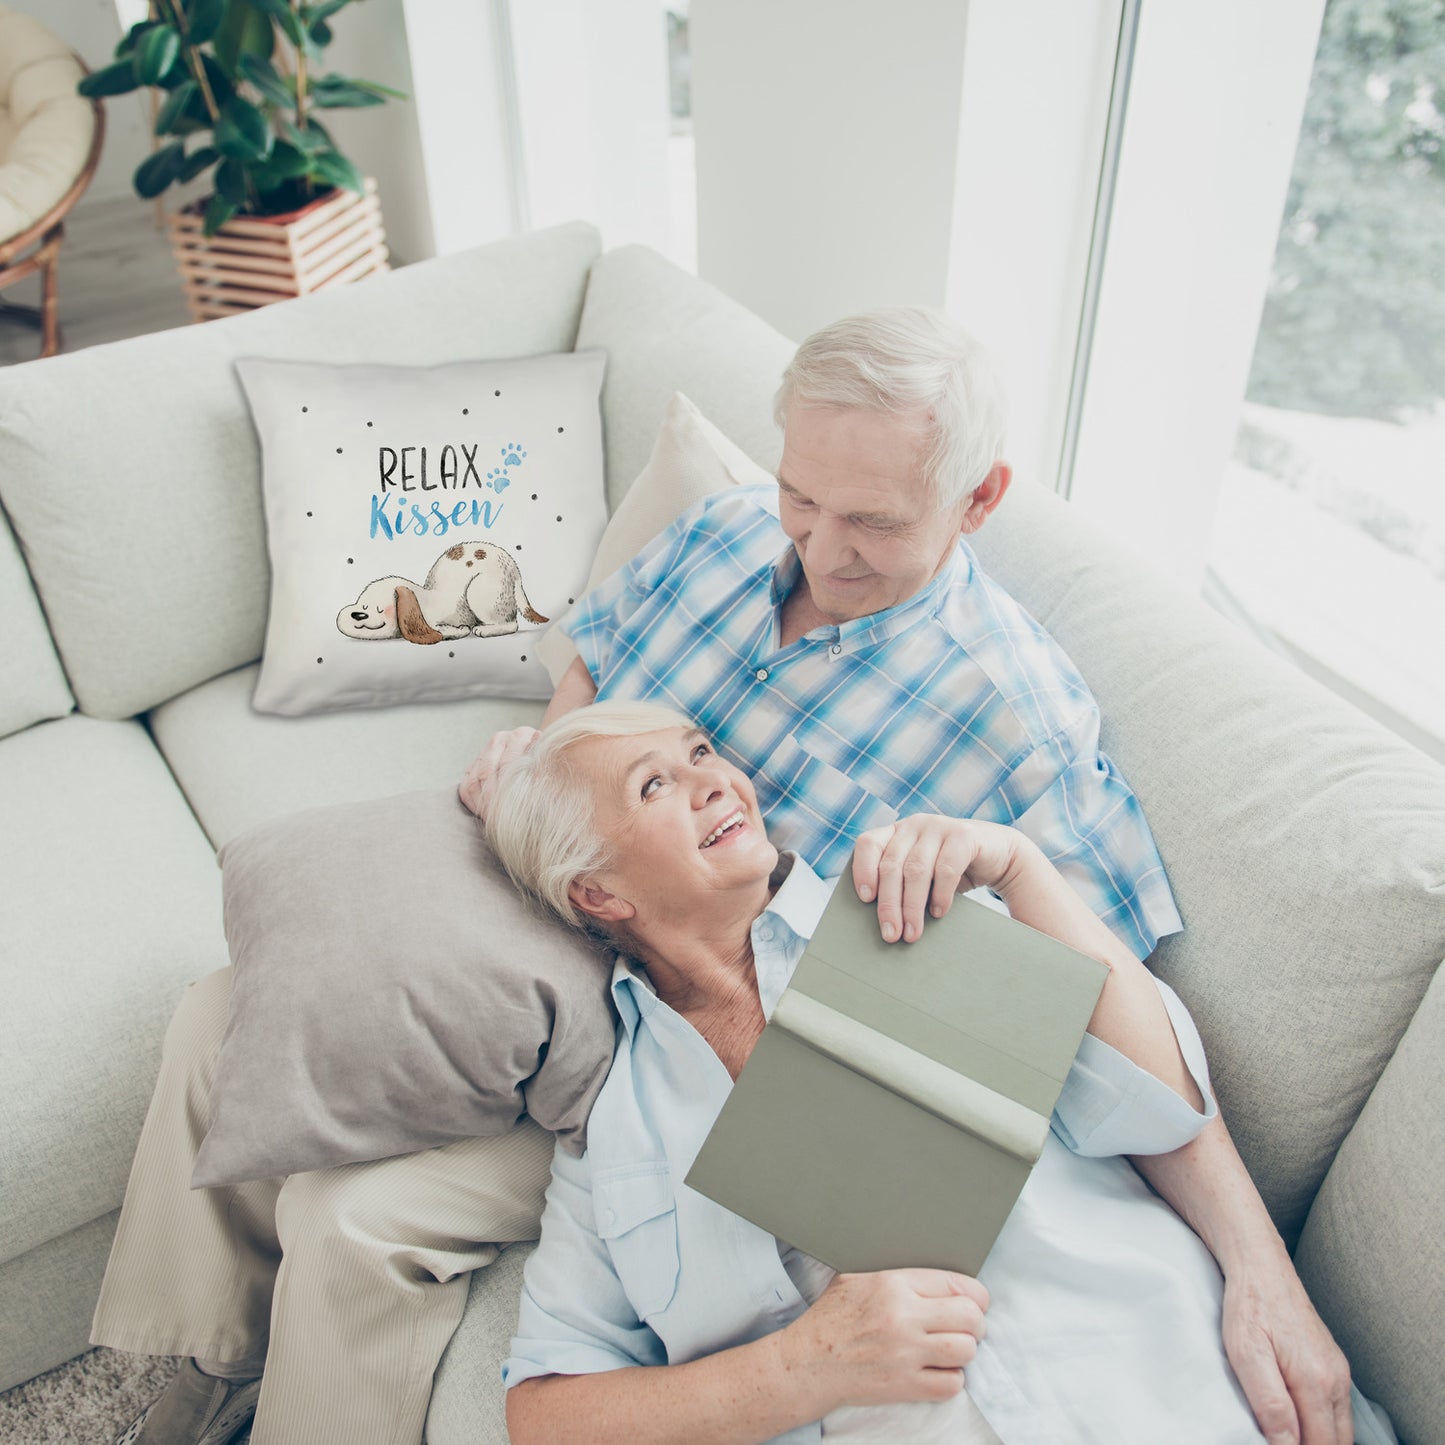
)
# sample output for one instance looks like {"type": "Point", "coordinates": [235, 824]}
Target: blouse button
{"type": "Point", "coordinates": [761, 674]}
{"type": "Point", "coordinates": [836, 648]}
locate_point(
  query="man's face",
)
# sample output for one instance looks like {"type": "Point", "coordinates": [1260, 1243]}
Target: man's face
{"type": "Point", "coordinates": [852, 499]}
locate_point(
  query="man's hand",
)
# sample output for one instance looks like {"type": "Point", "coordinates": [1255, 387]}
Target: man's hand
{"type": "Point", "coordinates": [475, 788]}
{"type": "Point", "coordinates": [1295, 1377]}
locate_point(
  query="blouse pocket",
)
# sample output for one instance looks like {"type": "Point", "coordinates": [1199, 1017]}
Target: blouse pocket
{"type": "Point", "coordinates": [637, 1217]}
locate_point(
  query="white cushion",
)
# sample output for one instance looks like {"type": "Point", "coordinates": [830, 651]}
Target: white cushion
{"type": "Point", "coordinates": [423, 524]}
{"type": "Point", "coordinates": [110, 906]}
{"type": "Point", "coordinates": [32, 684]}
{"type": "Point", "coordinates": [151, 558]}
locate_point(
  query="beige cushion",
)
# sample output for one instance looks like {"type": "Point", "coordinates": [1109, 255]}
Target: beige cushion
{"type": "Point", "coordinates": [151, 559]}
{"type": "Point", "coordinates": [691, 459]}
{"type": "Point", "coordinates": [1373, 1250]}
{"type": "Point", "coordinates": [1302, 842]}
{"type": "Point", "coordinates": [47, 130]}
{"type": "Point", "coordinates": [392, 992]}
{"type": "Point", "coordinates": [110, 906]}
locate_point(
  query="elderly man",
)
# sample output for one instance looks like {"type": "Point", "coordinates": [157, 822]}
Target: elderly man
{"type": "Point", "coordinates": [837, 640]}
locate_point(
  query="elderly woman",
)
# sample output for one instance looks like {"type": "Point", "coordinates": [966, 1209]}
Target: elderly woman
{"type": "Point", "coordinates": [653, 1314]}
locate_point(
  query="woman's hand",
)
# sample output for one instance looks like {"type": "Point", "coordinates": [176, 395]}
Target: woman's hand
{"type": "Point", "coordinates": [918, 864]}
{"type": "Point", "coordinates": [475, 788]}
{"type": "Point", "coordinates": [897, 1335]}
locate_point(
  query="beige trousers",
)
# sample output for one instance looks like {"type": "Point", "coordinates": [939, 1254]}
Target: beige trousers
{"type": "Point", "coordinates": [349, 1281]}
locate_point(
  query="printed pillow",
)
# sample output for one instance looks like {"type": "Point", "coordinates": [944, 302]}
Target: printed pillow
{"type": "Point", "coordinates": [424, 524]}
{"type": "Point", "coordinates": [368, 1021]}
{"type": "Point", "coordinates": [691, 459]}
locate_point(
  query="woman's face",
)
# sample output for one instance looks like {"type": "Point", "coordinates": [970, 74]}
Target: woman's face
{"type": "Point", "coordinates": [681, 823]}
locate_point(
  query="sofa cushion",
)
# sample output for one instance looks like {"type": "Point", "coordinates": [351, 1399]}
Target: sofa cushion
{"type": "Point", "coordinates": [664, 331]}
{"type": "Point", "coordinates": [1372, 1254]}
{"type": "Point", "coordinates": [111, 905]}
{"type": "Point", "coordinates": [150, 558]}
{"type": "Point", "coordinates": [1301, 840]}
{"type": "Point", "coordinates": [239, 768]}
{"type": "Point", "coordinates": [393, 993]}
{"type": "Point", "coordinates": [32, 682]}
{"type": "Point", "coordinates": [423, 523]}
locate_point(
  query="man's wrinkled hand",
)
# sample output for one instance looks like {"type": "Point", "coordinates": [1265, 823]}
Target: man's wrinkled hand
{"type": "Point", "coordinates": [1293, 1373]}
{"type": "Point", "coordinates": [477, 784]}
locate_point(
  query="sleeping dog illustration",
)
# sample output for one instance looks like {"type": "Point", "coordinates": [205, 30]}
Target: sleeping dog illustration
{"type": "Point", "coordinates": [473, 590]}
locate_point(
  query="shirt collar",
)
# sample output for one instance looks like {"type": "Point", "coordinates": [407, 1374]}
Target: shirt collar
{"type": "Point", "coordinates": [878, 626]}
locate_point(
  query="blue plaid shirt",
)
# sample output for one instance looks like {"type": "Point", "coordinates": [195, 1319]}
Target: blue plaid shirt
{"type": "Point", "coordinates": [954, 702]}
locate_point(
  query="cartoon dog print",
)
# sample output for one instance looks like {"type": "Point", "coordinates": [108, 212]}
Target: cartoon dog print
{"type": "Point", "coordinates": [473, 590]}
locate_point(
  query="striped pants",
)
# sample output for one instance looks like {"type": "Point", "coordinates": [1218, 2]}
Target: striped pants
{"type": "Point", "coordinates": [348, 1281]}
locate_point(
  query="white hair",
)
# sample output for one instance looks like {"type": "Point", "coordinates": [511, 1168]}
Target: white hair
{"type": "Point", "coordinates": [542, 820]}
{"type": "Point", "coordinates": [908, 360]}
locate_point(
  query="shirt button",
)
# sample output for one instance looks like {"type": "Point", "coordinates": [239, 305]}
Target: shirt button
{"type": "Point", "coordinates": [836, 648]}
{"type": "Point", "coordinates": [761, 674]}
{"type": "Point", "coordinates": [765, 933]}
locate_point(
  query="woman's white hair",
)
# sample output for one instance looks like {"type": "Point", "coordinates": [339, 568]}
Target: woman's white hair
{"type": "Point", "coordinates": [542, 820]}
{"type": "Point", "coordinates": [908, 360]}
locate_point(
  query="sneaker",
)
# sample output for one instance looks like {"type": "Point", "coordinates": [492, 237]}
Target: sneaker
{"type": "Point", "coordinates": [195, 1409]}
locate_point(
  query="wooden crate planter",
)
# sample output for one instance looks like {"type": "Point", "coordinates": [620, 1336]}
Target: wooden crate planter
{"type": "Point", "coordinates": [255, 260]}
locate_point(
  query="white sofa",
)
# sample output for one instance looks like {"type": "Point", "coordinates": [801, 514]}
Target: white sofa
{"type": "Point", "coordinates": [1306, 846]}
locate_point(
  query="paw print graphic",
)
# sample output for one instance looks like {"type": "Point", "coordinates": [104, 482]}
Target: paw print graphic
{"type": "Point", "coordinates": [498, 480]}
{"type": "Point", "coordinates": [512, 454]}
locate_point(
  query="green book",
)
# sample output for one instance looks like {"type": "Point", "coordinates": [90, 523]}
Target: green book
{"type": "Point", "coordinates": [900, 1094]}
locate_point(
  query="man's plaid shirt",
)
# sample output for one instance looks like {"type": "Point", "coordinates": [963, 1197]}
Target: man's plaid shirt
{"type": "Point", "coordinates": [954, 702]}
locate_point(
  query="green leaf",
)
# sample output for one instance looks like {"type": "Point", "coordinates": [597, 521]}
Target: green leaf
{"type": "Point", "coordinates": [222, 85]}
{"type": "Point", "coordinates": [312, 140]}
{"type": "Point", "coordinates": [197, 161]}
{"type": "Point", "coordinates": [131, 38]}
{"type": "Point", "coordinates": [278, 89]}
{"type": "Point", "coordinates": [333, 168]}
{"type": "Point", "coordinates": [378, 89]}
{"type": "Point", "coordinates": [117, 79]}
{"type": "Point", "coordinates": [173, 111]}
{"type": "Point", "coordinates": [320, 35]}
{"type": "Point", "coordinates": [157, 171]}
{"type": "Point", "coordinates": [157, 52]}
{"type": "Point", "coordinates": [287, 163]}
{"type": "Point", "coordinates": [285, 17]}
{"type": "Point", "coordinates": [218, 212]}
{"type": "Point", "coordinates": [203, 19]}
{"type": "Point", "coordinates": [333, 92]}
{"type": "Point", "coordinates": [244, 31]}
{"type": "Point", "coordinates": [242, 132]}
{"type": "Point", "coordinates": [231, 182]}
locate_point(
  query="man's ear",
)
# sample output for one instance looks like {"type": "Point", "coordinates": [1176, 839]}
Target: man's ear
{"type": "Point", "coordinates": [986, 496]}
{"type": "Point", "coordinates": [595, 901]}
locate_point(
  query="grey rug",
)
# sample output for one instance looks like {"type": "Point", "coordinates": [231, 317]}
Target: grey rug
{"type": "Point", "coordinates": [86, 1402]}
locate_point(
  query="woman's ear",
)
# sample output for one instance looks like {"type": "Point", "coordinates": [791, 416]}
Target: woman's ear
{"type": "Point", "coordinates": [596, 902]}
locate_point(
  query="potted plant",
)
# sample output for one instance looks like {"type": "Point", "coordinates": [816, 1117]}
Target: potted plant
{"type": "Point", "coordinates": [240, 84]}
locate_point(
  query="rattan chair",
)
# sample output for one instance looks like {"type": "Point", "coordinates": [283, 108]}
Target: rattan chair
{"type": "Point", "coordinates": [50, 139]}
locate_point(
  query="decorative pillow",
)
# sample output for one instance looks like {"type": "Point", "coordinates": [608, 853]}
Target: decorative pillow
{"type": "Point", "coordinates": [424, 523]}
{"type": "Point", "coordinates": [691, 459]}
{"type": "Point", "coordinates": [393, 992]}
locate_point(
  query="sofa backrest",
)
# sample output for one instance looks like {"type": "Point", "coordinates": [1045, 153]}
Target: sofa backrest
{"type": "Point", "coordinates": [132, 473]}
{"type": "Point", "coordinates": [1302, 840]}
{"type": "Point", "coordinates": [32, 682]}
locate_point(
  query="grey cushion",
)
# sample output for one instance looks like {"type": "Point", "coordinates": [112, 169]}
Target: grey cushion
{"type": "Point", "coordinates": [32, 684]}
{"type": "Point", "coordinates": [1301, 840]}
{"type": "Point", "coordinates": [1373, 1250]}
{"type": "Point", "coordinates": [239, 768]}
{"type": "Point", "coordinates": [664, 331]}
{"type": "Point", "coordinates": [110, 905]}
{"type": "Point", "coordinates": [393, 993]}
{"type": "Point", "coordinates": [150, 559]}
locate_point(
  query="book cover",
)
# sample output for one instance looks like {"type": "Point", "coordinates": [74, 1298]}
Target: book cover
{"type": "Point", "coordinates": [900, 1094]}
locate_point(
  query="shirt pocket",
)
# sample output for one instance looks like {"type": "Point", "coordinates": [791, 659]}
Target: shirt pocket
{"type": "Point", "coordinates": [819, 810]}
{"type": "Point", "coordinates": [636, 1212]}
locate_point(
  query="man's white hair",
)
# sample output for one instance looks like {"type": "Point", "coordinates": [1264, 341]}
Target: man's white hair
{"type": "Point", "coordinates": [542, 820]}
{"type": "Point", "coordinates": [908, 360]}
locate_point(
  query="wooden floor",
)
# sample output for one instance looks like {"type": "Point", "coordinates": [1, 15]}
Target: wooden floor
{"type": "Point", "coordinates": [117, 279]}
